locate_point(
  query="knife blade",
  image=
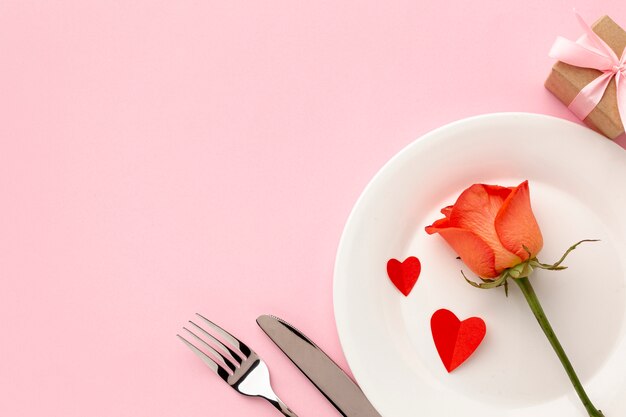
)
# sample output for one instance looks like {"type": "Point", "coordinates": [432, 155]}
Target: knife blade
{"type": "Point", "coordinates": [325, 374]}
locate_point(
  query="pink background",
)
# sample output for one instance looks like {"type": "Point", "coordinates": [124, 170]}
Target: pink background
{"type": "Point", "coordinates": [159, 158]}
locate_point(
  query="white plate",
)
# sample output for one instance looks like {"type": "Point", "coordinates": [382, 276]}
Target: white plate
{"type": "Point", "coordinates": [578, 190]}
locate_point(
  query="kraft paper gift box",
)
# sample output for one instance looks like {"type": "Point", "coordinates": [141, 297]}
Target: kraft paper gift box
{"type": "Point", "coordinates": [565, 82]}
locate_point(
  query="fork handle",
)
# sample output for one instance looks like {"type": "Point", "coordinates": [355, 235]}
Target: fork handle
{"type": "Point", "coordinates": [282, 407]}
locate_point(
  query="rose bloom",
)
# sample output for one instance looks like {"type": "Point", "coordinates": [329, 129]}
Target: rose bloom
{"type": "Point", "coordinates": [492, 228]}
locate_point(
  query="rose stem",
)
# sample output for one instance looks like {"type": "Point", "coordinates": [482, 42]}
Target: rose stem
{"type": "Point", "coordinates": [533, 302]}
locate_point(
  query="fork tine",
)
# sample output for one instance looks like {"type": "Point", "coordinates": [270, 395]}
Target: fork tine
{"type": "Point", "coordinates": [217, 342]}
{"type": "Point", "coordinates": [206, 359]}
{"type": "Point", "coordinates": [228, 337]}
{"type": "Point", "coordinates": [212, 351]}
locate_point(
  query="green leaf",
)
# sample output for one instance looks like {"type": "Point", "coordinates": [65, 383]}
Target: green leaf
{"type": "Point", "coordinates": [550, 267]}
{"type": "Point", "coordinates": [555, 266]}
{"type": "Point", "coordinates": [487, 284]}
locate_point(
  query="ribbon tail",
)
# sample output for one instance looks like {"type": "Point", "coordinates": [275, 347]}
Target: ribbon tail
{"type": "Point", "coordinates": [579, 55]}
{"type": "Point", "coordinates": [589, 97]}
{"type": "Point", "coordinates": [595, 39]}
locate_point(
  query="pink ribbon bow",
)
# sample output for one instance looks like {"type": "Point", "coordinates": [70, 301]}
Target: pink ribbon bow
{"type": "Point", "coordinates": [590, 51]}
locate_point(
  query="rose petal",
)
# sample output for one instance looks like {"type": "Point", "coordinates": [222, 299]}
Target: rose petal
{"type": "Point", "coordinates": [446, 211]}
{"type": "Point", "coordinates": [475, 211]}
{"type": "Point", "coordinates": [498, 190]}
{"type": "Point", "coordinates": [438, 224]}
{"type": "Point", "coordinates": [474, 252]}
{"type": "Point", "coordinates": [516, 224]}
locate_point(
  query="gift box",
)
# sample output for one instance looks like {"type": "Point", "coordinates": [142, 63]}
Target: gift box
{"type": "Point", "coordinates": [566, 82]}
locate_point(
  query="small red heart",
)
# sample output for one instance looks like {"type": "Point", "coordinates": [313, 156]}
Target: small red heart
{"type": "Point", "coordinates": [456, 340]}
{"type": "Point", "coordinates": [404, 275]}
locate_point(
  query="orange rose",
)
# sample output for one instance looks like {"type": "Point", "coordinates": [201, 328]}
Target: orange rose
{"type": "Point", "coordinates": [492, 228]}
{"type": "Point", "coordinates": [496, 234]}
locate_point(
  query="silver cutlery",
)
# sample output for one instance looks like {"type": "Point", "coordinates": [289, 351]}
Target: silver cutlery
{"type": "Point", "coordinates": [329, 378]}
{"type": "Point", "coordinates": [233, 361]}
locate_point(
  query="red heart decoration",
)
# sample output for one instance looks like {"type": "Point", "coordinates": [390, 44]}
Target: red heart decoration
{"type": "Point", "coordinates": [404, 275]}
{"type": "Point", "coordinates": [456, 340]}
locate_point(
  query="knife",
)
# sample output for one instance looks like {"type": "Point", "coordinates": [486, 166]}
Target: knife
{"type": "Point", "coordinates": [325, 374]}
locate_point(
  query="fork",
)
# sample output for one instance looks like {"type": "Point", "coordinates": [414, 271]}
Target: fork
{"type": "Point", "coordinates": [237, 364]}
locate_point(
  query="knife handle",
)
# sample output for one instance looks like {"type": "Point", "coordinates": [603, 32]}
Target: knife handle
{"type": "Point", "coordinates": [282, 407]}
